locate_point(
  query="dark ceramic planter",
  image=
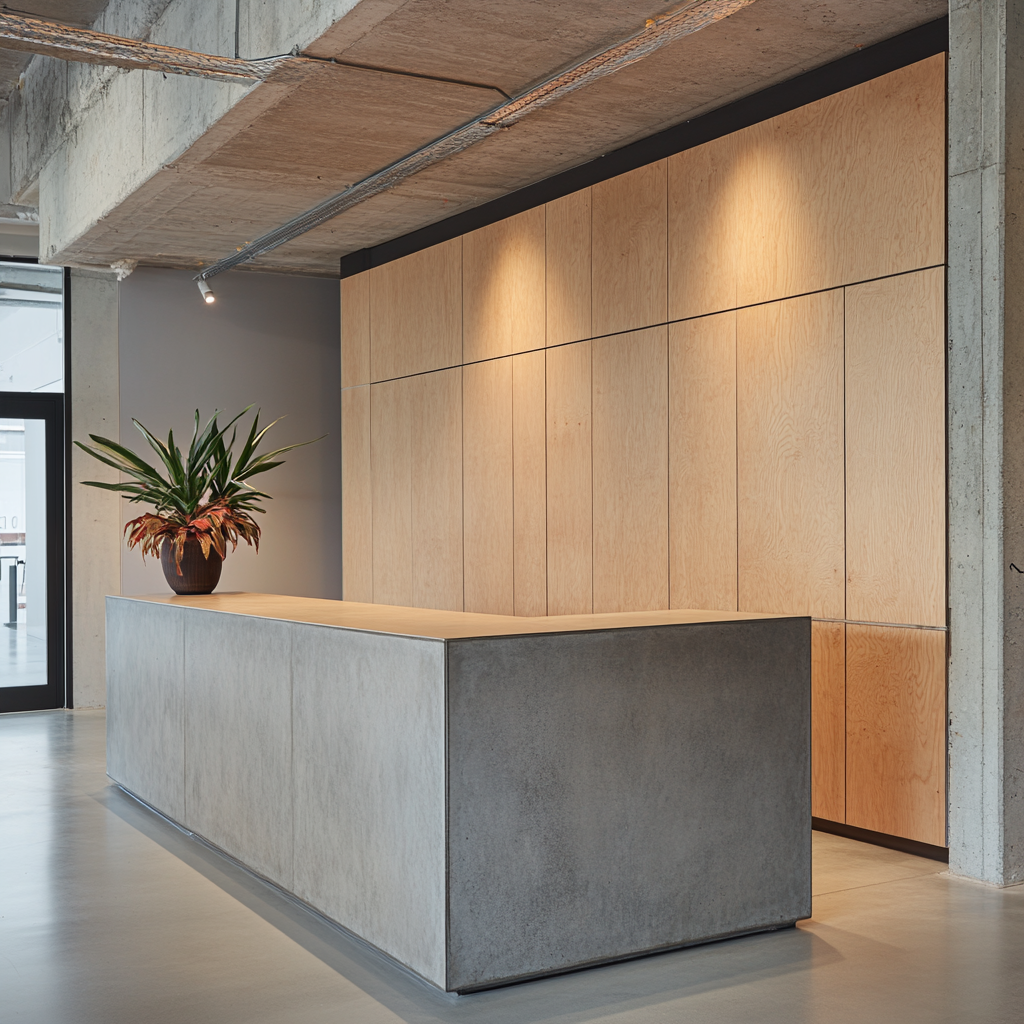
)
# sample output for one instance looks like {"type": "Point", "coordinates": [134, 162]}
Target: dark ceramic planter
{"type": "Point", "coordinates": [198, 575]}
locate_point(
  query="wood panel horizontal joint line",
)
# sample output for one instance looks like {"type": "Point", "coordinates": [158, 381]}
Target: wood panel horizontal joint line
{"type": "Point", "coordinates": [663, 323]}
{"type": "Point", "coordinates": [889, 625]}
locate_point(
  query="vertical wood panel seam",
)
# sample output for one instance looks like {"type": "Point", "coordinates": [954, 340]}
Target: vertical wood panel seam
{"type": "Point", "coordinates": [736, 439]}
{"type": "Point", "coordinates": [668, 404]}
{"type": "Point", "coordinates": [462, 403]}
{"type": "Point", "coordinates": [846, 577]}
{"type": "Point", "coordinates": [593, 553]}
{"type": "Point", "coordinates": [547, 606]}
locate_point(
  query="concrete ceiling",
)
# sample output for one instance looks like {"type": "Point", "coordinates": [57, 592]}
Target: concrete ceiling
{"type": "Point", "coordinates": [79, 13]}
{"type": "Point", "coordinates": [281, 150]}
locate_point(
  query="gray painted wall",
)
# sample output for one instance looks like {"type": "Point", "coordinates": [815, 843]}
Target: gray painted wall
{"type": "Point", "coordinates": [271, 340]}
{"type": "Point", "coordinates": [95, 514]}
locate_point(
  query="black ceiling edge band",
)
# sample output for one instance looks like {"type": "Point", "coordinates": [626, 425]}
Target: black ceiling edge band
{"type": "Point", "coordinates": [855, 69]}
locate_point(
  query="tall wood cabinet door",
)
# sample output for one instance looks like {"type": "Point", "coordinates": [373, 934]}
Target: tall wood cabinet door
{"type": "Point", "coordinates": [529, 484]}
{"type": "Point", "coordinates": [391, 406]}
{"type": "Point", "coordinates": [355, 330]}
{"type": "Point", "coordinates": [828, 720]}
{"type": "Point", "coordinates": [569, 268]}
{"type": "Point", "coordinates": [791, 535]}
{"type": "Point", "coordinates": [436, 489]}
{"type": "Point", "coordinates": [503, 287]}
{"type": "Point", "coordinates": [487, 487]}
{"type": "Point", "coordinates": [356, 496]}
{"type": "Point", "coordinates": [896, 450]}
{"type": "Point", "coordinates": [703, 217]}
{"type": "Point", "coordinates": [702, 462]}
{"type": "Point", "coordinates": [570, 484]}
{"type": "Point", "coordinates": [630, 240]}
{"type": "Point", "coordinates": [848, 188]}
{"type": "Point", "coordinates": [896, 731]}
{"type": "Point", "coordinates": [630, 410]}
{"type": "Point", "coordinates": [416, 312]}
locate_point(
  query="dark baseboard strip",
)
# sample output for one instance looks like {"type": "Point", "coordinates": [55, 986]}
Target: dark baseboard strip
{"type": "Point", "coordinates": [845, 73]}
{"type": "Point", "coordinates": [865, 835]}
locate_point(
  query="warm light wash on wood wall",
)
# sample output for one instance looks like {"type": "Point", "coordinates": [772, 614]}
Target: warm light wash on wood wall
{"type": "Point", "coordinates": [715, 381]}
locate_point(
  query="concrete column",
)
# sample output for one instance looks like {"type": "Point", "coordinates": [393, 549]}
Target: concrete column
{"type": "Point", "coordinates": [986, 440]}
{"type": "Point", "coordinates": [95, 514]}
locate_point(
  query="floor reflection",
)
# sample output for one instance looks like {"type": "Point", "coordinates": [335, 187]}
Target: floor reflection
{"type": "Point", "coordinates": [22, 658]}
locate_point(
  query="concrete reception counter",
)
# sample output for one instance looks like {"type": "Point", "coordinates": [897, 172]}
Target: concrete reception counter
{"type": "Point", "coordinates": [484, 798]}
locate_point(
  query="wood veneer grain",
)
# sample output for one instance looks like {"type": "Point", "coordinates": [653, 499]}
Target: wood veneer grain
{"type": "Point", "coordinates": [790, 456]}
{"type": "Point", "coordinates": [630, 246]}
{"type": "Point", "coordinates": [503, 287]}
{"type": "Point", "coordinates": [895, 450]}
{"type": "Point", "coordinates": [570, 489]}
{"type": "Point", "coordinates": [487, 487]}
{"type": "Point", "coordinates": [356, 496]}
{"type": "Point", "coordinates": [416, 312]}
{"type": "Point", "coordinates": [355, 330]}
{"type": "Point", "coordinates": [703, 223]}
{"type": "Point", "coordinates": [529, 484]}
{"type": "Point", "coordinates": [848, 188]}
{"type": "Point", "coordinates": [702, 462]}
{"type": "Point", "coordinates": [896, 731]}
{"type": "Point", "coordinates": [630, 441]}
{"type": "Point", "coordinates": [828, 720]}
{"type": "Point", "coordinates": [391, 406]}
{"type": "Point", "coordinates": [569, 267]}
{"type": "Point", "coordinates": [435, 444]}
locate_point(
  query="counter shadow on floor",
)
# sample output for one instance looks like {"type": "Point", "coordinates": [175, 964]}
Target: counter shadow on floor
{"type": "Point", "coordinates": [598, 991]}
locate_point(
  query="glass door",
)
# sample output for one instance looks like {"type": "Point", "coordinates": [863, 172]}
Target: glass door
{"type": "Point", "coordinates": [31, 488]}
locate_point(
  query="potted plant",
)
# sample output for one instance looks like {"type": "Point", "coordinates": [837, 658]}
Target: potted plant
{"type": "Point", "coordinates": [202, 503]}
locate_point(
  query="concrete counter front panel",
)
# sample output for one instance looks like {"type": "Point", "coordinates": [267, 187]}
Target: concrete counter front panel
{"type": "Point", "coordinates": [484, 807]}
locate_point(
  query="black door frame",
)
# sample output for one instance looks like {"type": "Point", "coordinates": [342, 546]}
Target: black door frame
{"type": "Point", "coordinates": [48, 407]}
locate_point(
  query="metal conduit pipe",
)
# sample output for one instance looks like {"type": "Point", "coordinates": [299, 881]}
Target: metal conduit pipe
{"type": "Point", "coordinates": [52, 39]}
{"type": "Point", "coordinates": [656, 33]}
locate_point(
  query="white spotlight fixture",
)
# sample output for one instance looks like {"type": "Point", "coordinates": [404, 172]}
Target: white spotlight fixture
{"type": "Point", "coordinates": [207, 292]}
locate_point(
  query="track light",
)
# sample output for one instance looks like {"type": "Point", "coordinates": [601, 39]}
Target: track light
{"type": "Point", "coordinates": [207, 292]}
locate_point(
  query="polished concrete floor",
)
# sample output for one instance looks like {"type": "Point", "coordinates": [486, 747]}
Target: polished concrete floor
{"type": "Point", "coordinates": [109, 914]}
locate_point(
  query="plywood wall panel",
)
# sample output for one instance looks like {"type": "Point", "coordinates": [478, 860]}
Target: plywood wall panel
{"type": "Point", "coordinates": [896, 731]}
{"type": "Point", "coordinates": [436, 488]}
{"type": "Point", "coordinates": [895, 444]}
{"type": "Point", "coordinates": [630, 439]}
{"type": "Point", "coordinates": [356, 496]}
{"type": "Point", "coordinates": [416, 312]}
{"type": "Point", "coordinates": [391, 406]}
{"type": "Point", "coordinates": [790, 457]}
{"type": "Point", "coordinates": [702, 462]}
{"type": "Point", "coordinates": [503, 287]}
{"type": "Point", "coordinates": [569, 268]}
{"type": "Point", "coordinates": [355, 330]}
{"type": "Point", "coordinates": [487, 487]}
{"type": "Point", "coordinates": [630, 250]}
{"type": "Point", "coordinates": [570, 491]}
{"type": "Point", "coordinates": [848, 188]}
{"type": "Point", "coordinates": [828, 720]}
{"type": "Point", "coordinates": [702, 222]}
{"type": "Point", "coordinates": [529, 484]}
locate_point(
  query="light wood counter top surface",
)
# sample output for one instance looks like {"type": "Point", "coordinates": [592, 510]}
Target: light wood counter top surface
{"type": "Point", "coordinates": [430, 623]}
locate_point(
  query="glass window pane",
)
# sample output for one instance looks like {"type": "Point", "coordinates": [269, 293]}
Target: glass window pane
{"type": "Point", "coordinates": [31, 327]}
{"type": "Point", "coordinates": [22, 552]}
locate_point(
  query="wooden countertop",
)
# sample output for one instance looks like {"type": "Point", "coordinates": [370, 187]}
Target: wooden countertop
{"type": "Point", "coordinates": [428, 623]}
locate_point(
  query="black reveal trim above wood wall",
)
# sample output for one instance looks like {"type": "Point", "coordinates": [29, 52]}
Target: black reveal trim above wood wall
{"type": "Point", "coordinates": [855, 69]}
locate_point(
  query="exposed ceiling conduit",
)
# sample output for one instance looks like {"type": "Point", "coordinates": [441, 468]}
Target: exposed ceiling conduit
{"type": "Point", "coordinates": [657, 32]}
{"type": "Point", "coordinates": [52, 39]}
